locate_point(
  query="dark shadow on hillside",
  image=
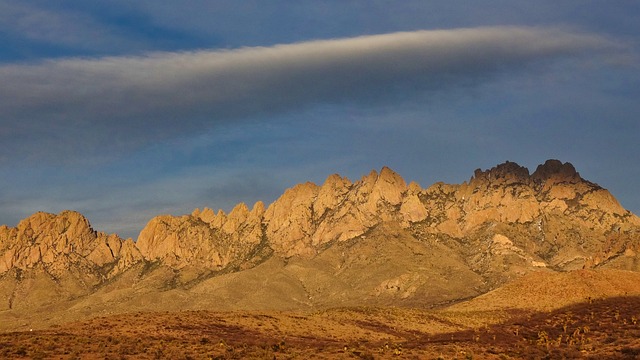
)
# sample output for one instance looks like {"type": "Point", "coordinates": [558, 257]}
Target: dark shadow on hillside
{"type": "Point", "coordinates": [604, 328]}
{"type": "Point", "coordinates": [598, 329]}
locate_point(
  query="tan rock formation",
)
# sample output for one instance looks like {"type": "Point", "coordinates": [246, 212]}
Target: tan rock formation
{"type": "Point", "coordinates": [376, 237]}
{"type": "Point", "coordinates": [412, 209]}
{"type": "Point", "coordinates": [557, 215]}
{"type": "Point", "coordinates": [203, 239]}
{"type": "Point", "coordinates": [60, 242]}
{"type": "Point", "coordinates": [307, 217]}
{"type": "Point", "coordinates": [289, 220]}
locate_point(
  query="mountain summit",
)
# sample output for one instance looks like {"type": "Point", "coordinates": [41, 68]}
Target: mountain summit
{"type": "Point", "coordinates": [377, 240]}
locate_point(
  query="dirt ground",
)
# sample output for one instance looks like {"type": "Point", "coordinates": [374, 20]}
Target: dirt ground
{"type": "Point", "coordinates": [596, 329]}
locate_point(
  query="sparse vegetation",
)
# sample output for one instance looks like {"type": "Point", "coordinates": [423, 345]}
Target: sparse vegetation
{"type": "Point", "coordinates": [593, 329]}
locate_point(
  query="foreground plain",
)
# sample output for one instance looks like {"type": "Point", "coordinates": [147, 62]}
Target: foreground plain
{"type": "Point", "coordinates": [596, 329]}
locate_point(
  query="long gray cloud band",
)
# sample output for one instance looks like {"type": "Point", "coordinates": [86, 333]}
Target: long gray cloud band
{"type": "Point", "coordinates": [71, 103]}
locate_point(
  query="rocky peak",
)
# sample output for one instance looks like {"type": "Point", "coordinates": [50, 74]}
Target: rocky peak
{"type": "Point", "coordinates": [331, 193]}
{"type": "Point", "coordinates": [203, 240]}
{"type": "Point", "coordinates": [205, 215]}
{"type": "Point", "coordinates": [389, 187]}
{"type": "Point", "coordinates": [335, 181]}
{"type": "Point", "coordinates": [236, 217]}
{"type": "Point", "coordinates": [295, 200]}
{"type": "Point", "coordinates": [506, 173]}
{"type": "Point", "coordinates": [56, 242]}
{"type": "Point", "coordinates": [307, 217]}
{"type": "Point", "coordinates": [258, 209]}
{"type": "Point", "coordinates": [556, 171]}
{"type": "Point", "coordinates": [371, 178]}
{"type": "Point", "coordinates": [290, 219]}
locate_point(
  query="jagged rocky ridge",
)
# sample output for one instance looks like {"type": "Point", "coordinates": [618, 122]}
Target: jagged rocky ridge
{"type": "Point", "coordinates": [501, 224]}
{"type": "Point", "coordinates": [59, 243]}
{"type": "Point", "coordinates": [556, 218]}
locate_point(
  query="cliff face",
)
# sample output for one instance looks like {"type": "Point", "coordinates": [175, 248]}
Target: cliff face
{"type": "Point", "coordinates": [204, 239]}
{"type": "Point", "coordinates": [58, 243]}
{"type": "Point", "coordinates": [505, 220]}
{"type": "Point", "coordinates": [307, 217]}
{"type": "Point", "coordinates": [48, 259]}
{"type": "Point", "coordinates": [510, 222]}
{"type": "Point", "coordinates": [375, 238]}
{"type": "Point", "coordinates": [507, 194]}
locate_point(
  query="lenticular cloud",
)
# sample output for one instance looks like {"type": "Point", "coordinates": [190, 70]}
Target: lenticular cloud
{"type": "Point", "coordinates": [144, 98]}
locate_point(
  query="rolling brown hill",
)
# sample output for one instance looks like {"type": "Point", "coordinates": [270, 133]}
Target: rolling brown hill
{"type": "Point", "coordinates": [372, 242]}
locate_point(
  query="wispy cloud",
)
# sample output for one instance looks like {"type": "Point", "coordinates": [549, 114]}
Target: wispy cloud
{"type": "Point", "coordinates": [57, 27]}
{"type": "Point", "coordinates": [110, 103]}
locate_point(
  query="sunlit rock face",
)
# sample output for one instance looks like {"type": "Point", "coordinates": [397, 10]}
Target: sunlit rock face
{"type": "Point", "coordinates": [554, 217]}
{"type": "Point", "coordinates": [63, 242]}
{"type": "Point", "coordinates": [203, 239]}
{"type": "Point", "coordinates": [377, 238]}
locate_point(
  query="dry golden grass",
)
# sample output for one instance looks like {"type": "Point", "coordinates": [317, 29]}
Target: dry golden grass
{"type": "Point", "coordinates": [578, 314]}
{"type": "Point", "coordinates": [607, 328]}
{"type": "Point", "coordinates": [546, 290]}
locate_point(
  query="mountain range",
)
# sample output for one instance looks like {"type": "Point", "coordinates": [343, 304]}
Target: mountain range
{"type": "Point", "coordinates": [377, 241]}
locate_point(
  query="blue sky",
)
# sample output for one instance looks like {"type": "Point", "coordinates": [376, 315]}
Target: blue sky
{"type": "Point", "coordinates": [125, 110]}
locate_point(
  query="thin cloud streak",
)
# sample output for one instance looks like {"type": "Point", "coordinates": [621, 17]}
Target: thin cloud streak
{"type": "Point", "coordinates": [60, 28]}
{"type": "Point", "coordinates": [127, 102]}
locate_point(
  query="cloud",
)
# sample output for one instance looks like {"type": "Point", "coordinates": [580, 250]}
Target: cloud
{"type": "Point", "coordinates": [58, 27]}
{"type": "Point", "coordinates": [93, 106]}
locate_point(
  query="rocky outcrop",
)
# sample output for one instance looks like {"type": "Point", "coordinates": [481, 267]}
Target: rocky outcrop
{"type": "Point", "coordinates": [203, 239]}
{"type": "Point", "coordinates": [304, 220]}
{"type": "Point", "coordinates": [553, 217]}
{"type": "Point", "coordinates": [290, 220]}
{"type": "Point", "coordinates": [58, 243]}
{"type": "Point", "coordinates": [307, 217]}
{"type": "Point", "coordinates": [546, 206]}
{"type": "Point", "coordinates": [501, 224]}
